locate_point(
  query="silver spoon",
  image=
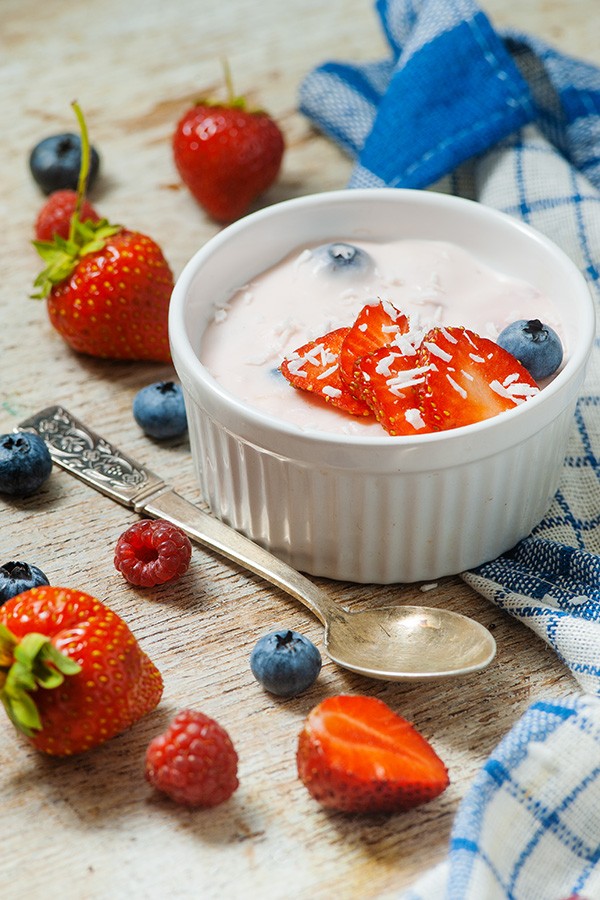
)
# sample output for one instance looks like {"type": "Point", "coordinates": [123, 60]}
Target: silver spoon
{"type": "Point", "coordinates": [394, 643]}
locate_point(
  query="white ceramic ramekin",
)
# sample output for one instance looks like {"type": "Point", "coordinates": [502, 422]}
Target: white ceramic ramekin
{"type": "Point", "coordinates": [378, 509]}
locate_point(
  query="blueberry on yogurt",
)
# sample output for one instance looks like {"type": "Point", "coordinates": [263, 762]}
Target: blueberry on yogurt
{"type": "Point", "coordinates": [341, 258]}
{"type": "Point", "coordinates": [537, 346]}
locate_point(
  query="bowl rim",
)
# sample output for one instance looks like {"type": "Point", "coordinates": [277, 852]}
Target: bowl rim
{"type": "Point", "coordinates": [186, 358]}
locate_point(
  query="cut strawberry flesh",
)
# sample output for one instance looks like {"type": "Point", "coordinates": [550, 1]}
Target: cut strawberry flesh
{"type": "Point", "coordinates": [413, 384]}
{"type": "Point", "coordinates": [376, 325]}
{"type": "Point", "coordinates": [390, 383]}
{"type": "Point", "coordinates": [469, 378]}
{"type": "Point", "coordinates": [369, 739]}
{"type": "Point", "coordinates": [356, 755]}
{"type": "Point", "coordinates": [315, 367]}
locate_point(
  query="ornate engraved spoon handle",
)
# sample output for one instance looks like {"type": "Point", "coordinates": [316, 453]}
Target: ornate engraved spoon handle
{"type": "Point", "coordinates": [88, 456]}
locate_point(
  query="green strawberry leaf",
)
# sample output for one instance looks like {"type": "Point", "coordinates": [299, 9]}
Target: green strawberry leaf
{"type": "Point", "coordinates": [62, 256]}
{"type": "Point", "coordinates": [62, 662]}
{"type": "Point", "coordinates": [23, 713]}
{"type": "Point", "coordinates": [8, 642]}
{"type": "Point", "coordinates": [25, 666]}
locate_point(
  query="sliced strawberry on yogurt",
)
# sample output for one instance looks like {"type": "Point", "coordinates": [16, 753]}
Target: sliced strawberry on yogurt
{"type": "Point", "coordinates": [315, 367]}
{"type": "Point", "coordinates": [390, 384]}
{"type": "Point", "coordinates": [469, 378]}
{"type": "Point", "coordinates": [376, 325]}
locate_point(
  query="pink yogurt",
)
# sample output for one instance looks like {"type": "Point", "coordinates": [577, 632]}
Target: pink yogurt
{"type": "Point", "coordinates": [299, 300]}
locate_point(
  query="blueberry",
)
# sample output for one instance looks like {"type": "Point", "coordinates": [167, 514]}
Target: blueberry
{"type": "Point", "coordinates": [535, 345]}
{"type": "Point", "coordinates": [341, 258]}
{"type": "Point", "coordinates": [25, 463]}
{"type": "Point", "coordinates": [55, 163]}
{"type": "Point", "coordinates": [285, 663]}
{"type": "Point", "coordinates": [159, 410]}
{"type": "Point", "coordinates": [16, 577]}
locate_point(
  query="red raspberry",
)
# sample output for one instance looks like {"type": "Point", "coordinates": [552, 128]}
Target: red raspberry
{"type": "Point", "coordinates": [194, 761]}
{"type": "Point", "coordinates": [55, 215]}
{"type": "Point", "coordinates": [151, 552]}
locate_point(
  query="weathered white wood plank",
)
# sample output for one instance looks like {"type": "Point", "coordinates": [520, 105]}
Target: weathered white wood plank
{"type": "Point", "coordinates": [90, 827]}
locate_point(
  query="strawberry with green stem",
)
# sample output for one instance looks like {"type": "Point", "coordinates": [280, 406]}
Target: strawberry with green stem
{"type": "Point", "coordinates": [72, 674]}
{"type": "Point", "coordinates": [227, 154]}
{"type": "Point", "coordinates": [107, 288]}
{"type": "Point", "coordinates": [55, 215]}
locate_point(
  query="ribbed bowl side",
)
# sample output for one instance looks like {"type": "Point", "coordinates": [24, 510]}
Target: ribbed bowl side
{"type": "Point", "coordinates": [357, 526]}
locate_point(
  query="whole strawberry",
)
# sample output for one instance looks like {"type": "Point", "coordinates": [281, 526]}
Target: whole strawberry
{"type": "Point", "coordinates": [108, 292]}
{"type": "Point", "coordinates": [227, 155]}
{"type": "Point", "coordinates": [54, 218]}
{"type": "Point", "coordinates": [72, 674]}
{"type": "Point", "coordinates": [107, 288]}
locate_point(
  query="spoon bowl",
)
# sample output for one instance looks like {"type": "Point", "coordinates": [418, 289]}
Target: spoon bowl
{"type": "Point", "coordinates": [409, 643]}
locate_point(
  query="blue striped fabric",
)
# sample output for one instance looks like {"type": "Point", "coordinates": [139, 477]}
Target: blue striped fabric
{"type": "Point", "coordinates": [529, 828]}
{"type": "Point", "coordinates": [509, 121]}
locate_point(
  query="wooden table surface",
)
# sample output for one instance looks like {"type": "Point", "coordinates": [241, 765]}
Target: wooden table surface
{"type": "Point", "coordinates": [90, 827]}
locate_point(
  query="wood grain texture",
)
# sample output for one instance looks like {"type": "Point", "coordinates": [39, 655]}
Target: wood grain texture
{"type": "Point", "coordinates": [90, 827]}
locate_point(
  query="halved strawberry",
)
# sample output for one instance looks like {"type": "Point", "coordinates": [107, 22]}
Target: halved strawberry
{"type": "Point", "coordinates": [469, 378]}
{"type": "Point", "coordinates": [389, 382]}
{"type": "Point", "coordinates": [376, 325]}
{"type": "Point", "coordinates": [356, 755]}
{"type": "Point", "coordinates": [315, 367]}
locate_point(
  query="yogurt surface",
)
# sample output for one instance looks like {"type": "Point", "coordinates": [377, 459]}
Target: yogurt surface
{"type": "Point", "coordinates": [302, 298]}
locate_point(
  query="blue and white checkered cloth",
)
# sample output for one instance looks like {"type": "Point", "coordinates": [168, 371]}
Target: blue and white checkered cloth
{"type": "Point", "coordinates": [529, 829]}
{"type": "Point", "coordinates": [508, 121]}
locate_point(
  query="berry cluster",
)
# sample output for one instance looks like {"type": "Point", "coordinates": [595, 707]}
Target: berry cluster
{"type": "Point", "coordinates": [97, 300]}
